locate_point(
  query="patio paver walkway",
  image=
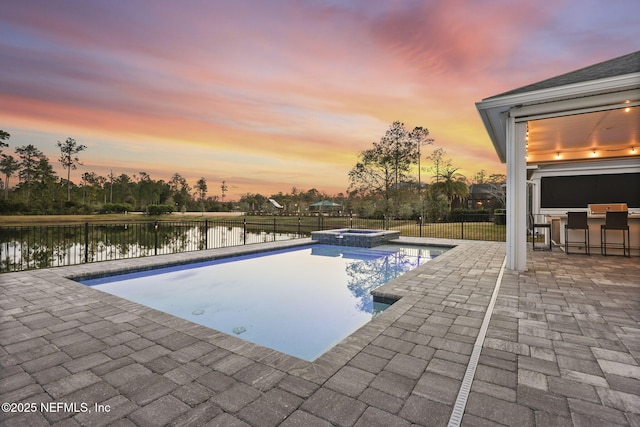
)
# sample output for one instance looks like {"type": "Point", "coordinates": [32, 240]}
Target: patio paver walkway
{"type": "Point", "coordinates": [562, 348]}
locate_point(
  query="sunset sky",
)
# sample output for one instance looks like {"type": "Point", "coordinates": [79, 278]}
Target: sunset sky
{"type": "Point", "coordinates": [268, 95]}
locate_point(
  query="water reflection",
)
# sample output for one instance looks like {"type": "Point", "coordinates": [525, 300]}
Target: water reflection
{"type": "Point", "coordinates": [23, 248]}
{"type": "Point", "coordinates": [367, 269]}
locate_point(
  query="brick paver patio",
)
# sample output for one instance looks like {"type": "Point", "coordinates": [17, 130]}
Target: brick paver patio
{"type": "Point", "coordinates": [562, 348]}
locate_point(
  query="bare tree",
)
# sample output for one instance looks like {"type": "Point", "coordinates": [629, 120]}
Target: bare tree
{"type": "Point", "coordinates": [439, 163]}
{"type": "Point", "coordinates": [497, 187]}
{"type": "Point", "coordinates": [479, 177]}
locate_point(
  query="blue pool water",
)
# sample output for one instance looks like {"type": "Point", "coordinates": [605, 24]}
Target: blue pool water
{"type": "Point", "coordinates": [301, 301]}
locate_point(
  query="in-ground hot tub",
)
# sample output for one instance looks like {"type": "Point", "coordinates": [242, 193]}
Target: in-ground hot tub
{"type": "Point", "coordinates": [355, 237]}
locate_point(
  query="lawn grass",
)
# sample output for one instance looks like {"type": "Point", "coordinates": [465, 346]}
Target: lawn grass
{"type": "Point", "coordinates": [455, 230]}
{"type": "Point", "coordinates": [29, 220]}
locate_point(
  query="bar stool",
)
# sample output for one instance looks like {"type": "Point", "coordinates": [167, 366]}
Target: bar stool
{"type": "Point", "coordinates": [577, 221]}
{"type": "Point", "coordinates": [539, 225]}
{"type": "Point", "coordinates": [615, 221]}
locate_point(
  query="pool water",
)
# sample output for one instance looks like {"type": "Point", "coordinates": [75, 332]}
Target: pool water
{"type": "Point", "coordinates": [301, 301]}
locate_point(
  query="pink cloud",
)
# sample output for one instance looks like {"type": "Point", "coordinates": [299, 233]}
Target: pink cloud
{"type": "Point", "coordinates": [288, 82]}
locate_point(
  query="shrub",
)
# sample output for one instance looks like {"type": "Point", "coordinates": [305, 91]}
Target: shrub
{"type": "Point", "coordinates": [74, 208]}
{"type": "Point", "coordinates": [159, 209]}
{"type": "Point", "coordinates": [12, 208]}
{"type": "Point", "coordinates": [116, 208]}
{"type": "Point", "coordinates": [469, 215]}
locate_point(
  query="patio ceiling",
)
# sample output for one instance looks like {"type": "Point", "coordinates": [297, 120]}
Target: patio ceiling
{"type": "Point", "coordinates": [590, 136]}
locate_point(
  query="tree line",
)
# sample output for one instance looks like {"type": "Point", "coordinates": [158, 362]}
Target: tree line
{"type": "Point", "coordinates": [40, 191]}
{"type": "Point", "coordinates": [393, 178]}
{"type": "Point", "coordinates": [387, 179]}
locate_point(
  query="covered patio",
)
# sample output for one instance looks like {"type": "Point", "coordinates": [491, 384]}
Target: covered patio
{"type": "Point", "coordinates": [581, 123]}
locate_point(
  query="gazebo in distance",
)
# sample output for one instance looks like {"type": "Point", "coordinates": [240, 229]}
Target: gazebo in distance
{"type": "Point", "coordinates": [585, 123]}
{"type": "Point", "coordinates": [325, 206]}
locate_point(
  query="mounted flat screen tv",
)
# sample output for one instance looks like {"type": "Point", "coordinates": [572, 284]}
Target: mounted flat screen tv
{"type": "Point", "coordinates": [580, 190]}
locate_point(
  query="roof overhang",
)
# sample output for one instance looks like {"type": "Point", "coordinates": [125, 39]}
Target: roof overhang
{"type": "Point", "coordinates": [584, 97]}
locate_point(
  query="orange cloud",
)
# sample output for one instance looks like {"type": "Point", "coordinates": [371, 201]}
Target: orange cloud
{"type": "Point", "coordinates": [270, 95]}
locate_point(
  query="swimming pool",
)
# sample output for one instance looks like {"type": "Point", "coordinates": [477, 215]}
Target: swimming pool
{"type": "Point", "coordinates": [301, 301]}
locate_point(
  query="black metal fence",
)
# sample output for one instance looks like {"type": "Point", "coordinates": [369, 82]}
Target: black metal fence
{"type": "Point", "coordinates": [31, 247]}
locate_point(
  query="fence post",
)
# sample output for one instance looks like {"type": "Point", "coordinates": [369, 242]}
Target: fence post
{"type": "Point", "coordinates": [351, 220]}
{"type": "Point", "coordinates": [299, 234]}
{"type": "Point", "coordinates": [206, 234]}
{"type": "Point", "coordinates": [274, 228]}
{"type": "Point", "coordinates": [244, 225]}
{"type": "Point", "coordinates": [462, 222]}
{"type": "Point", "coordinates": [86, 242]}
{"type": "Point", "coordinates": [155, 239]}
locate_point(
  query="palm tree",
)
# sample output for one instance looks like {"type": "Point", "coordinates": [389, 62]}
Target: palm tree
{"type": "Point", "coordinates": [451, 184]}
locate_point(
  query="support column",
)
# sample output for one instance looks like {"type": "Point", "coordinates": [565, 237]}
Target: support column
{"type": "Point", "coordinates": [516, 195]}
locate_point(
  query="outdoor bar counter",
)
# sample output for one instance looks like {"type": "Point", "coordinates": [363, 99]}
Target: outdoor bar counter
{"type": "Point", "coordinates": [595, 218]}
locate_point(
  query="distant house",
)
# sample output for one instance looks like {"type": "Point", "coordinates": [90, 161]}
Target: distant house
{"type": "Point", "coordinates": [483, 196]}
